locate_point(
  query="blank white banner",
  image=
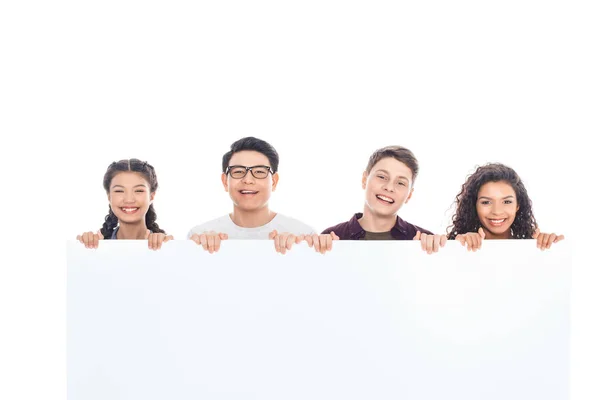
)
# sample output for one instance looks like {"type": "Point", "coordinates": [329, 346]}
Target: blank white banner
{"type": "Point", "coordinates": [369, 320]}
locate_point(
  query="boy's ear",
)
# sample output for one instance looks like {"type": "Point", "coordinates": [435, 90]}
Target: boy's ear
{"type": "Point", "coordinates": [224, 181]}
{"type": "Point", "coordinates": [275, 180]}
{"type": "Point", "coordinates": [364, 180]}
{"type": "Point", "coordinates": [409, 195]}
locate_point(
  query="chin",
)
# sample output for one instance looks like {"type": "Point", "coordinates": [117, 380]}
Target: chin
{"type": "Point", "coordinates": [499, 232]}
{"type": "Point", "coordinates": [385, 212]}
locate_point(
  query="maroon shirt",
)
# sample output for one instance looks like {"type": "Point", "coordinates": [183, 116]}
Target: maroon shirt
{"type": "Point", "coordinates": [352, 230]}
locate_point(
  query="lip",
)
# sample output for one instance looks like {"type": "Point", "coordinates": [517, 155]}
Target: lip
{"type": "Point", "coordinates": [496, 222]}
{"type": "Point", "coordinates": [380, 200]}
{"type": "Point", "coordinates": [248, 192]}
{"type": "Point", "coordinates": [129, 210]}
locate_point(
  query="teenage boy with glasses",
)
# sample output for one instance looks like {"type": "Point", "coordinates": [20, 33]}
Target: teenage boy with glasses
{"type": "Point", "coordinates": [249, 176]}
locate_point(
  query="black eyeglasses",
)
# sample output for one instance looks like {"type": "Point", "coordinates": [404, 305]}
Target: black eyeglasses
{"type": "Point", "coordinates": [240, 171]}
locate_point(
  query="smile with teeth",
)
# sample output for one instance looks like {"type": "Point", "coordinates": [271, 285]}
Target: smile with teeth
{"type": "Point", "coordinates": [388, 200]}
{"type": "Point", "coordinates": [496, 222]}
{"type": "Point", "coordinates": [248, 192]}
{"type": "Point", "coordinates": [129, 210]}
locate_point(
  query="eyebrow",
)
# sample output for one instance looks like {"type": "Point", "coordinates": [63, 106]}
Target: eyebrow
{"type": "Point", "coordinates": [249, 166]}
{"type": "Point", "coordinates": [385, 172]}
{"type": "Point", "coordinates": [504, 198]}
{"type": "Point", "coordinates": [121, 186]}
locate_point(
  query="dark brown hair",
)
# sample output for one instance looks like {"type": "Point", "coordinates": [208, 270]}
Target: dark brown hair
{"type": "Point", "coordinates": [466, 220]}
{"type": "Point", "coordinates": [399, 153]}
{"type": "Point", "coordinates": [132, 165]}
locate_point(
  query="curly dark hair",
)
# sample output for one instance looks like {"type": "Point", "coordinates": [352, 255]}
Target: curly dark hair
{"type": "Point", "coordinates": [133, 165]}
{"type": "Point", "coordinates": [465, 219]}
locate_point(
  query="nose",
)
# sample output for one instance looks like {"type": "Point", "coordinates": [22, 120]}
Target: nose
{"type": "Point", "coordinates": [496, 208]}
{"type": "Point", "coordinates": [129, 197]}
{"type": "Point", "coordinates": [389, 186]}
{"type": "Point", "coordinates": [249, 178]}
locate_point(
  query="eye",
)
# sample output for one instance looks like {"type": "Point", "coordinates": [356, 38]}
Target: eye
{"type": "Point", "coordinates": [382, 177]}
{"type": "Point", "coordinates": [118, 191]}
{"type": "Point", "coordinates": [401, 183]}
{"type": "Point", "coordinates": [508, 201]}
{"type": "Point", "coordinates": [140, 191]}
{"type": "Point", "coordinates": [486, 202]}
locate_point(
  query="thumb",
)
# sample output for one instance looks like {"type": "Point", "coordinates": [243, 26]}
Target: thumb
{"type": "Point", "coordinates": [100, 237]}
{"type": "Point", "coordinates": [481, 233]}
{"type": "Point", "coordinates": [148, 233]}
{"type": "Point", "coordinates": [334, 236]}
{"type": "Point", "coordinates": [536, 233]}
{"type": "Point", "coordinates": [223, 236]}
{"type": "Point", "coordinates": [417, 236]}
{"type": "Point", "coordinates": [273, 234]}
{"type": "Point", "coordinates": [299, 238]}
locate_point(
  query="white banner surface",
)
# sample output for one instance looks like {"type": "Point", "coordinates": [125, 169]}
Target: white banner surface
{"type": "Point", "coordinates": [369, 320]}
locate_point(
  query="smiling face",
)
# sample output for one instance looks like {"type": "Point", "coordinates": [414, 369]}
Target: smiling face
{"type": "Point", "coordinates": [496, 209]}
{"type": "Point", "coordinates": [130, 197]}
{"type": "Point", "coordinates": [387, 187]}
{"type": "Point", "coordinates": [249, 193]}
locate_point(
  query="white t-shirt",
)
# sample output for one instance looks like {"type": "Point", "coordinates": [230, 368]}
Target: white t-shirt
{"type": "Point", "coordinates": [281, 223]}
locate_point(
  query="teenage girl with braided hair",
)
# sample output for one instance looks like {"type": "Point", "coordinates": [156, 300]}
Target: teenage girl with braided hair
{"type": "Point", "coordinates": [130, 186]}
{"type": "Point", "coordinates": [493, 204]}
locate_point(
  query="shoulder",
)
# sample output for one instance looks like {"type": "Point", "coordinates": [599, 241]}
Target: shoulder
{"type": "Point", "coordinates": [217, 224]}
{"type": "Point", "coordinates": [338, 229]}
{"type": "Point", "coordinates": [413, 229]}
{"type": "Point", "coordinates": [410, 230]}
{"type": "Point", "coordinates": [348, 230]}
{"type": "Point", "coordinates": [288, 224]}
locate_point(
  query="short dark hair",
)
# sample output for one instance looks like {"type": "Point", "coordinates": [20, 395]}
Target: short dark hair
{"type": "Point", "coordinates": [399, 153]}
{"type": "Point", "coordinates": [252, 144]}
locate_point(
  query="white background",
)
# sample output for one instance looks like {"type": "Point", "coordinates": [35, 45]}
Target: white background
{"type": "Point", "coordinates": [459, 83]}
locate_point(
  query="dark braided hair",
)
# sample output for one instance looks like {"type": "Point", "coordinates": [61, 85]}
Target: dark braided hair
{"type": "Point", "coordinates": [466, 220]}
{"type": "Point", "coordinates": [131, 165]}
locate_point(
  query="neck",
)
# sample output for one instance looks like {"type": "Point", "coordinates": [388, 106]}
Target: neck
{"type": "Point", "coordinates": [134, 231]}
{"type": "Point", "coordinates": [252, 218]}
{"type": "Point", "coordinates": [372, 222]}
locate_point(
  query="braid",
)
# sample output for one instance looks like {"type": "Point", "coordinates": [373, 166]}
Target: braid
{"type": "Point", "coordinates": [151, 220]}
{"type": "Point", "coordinates": [110, 223]}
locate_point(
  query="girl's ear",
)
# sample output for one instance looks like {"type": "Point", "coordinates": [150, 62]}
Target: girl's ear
{"type": "Point", "coordinates": [152, 197]}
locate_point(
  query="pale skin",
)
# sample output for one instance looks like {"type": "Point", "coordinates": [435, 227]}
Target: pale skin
{"type": "Point", "coordinates": [129, 198]}
{"type": "Point", "coordinates": [250, 196]}
{"type": "Point", "coordinates": [388, 186]}
{"type": "Point", "coordinates": [497, 208]}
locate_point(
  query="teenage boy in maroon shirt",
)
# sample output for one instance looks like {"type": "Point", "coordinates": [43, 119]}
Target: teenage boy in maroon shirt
{"type": "Point", "coordinates": [388, 182]}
